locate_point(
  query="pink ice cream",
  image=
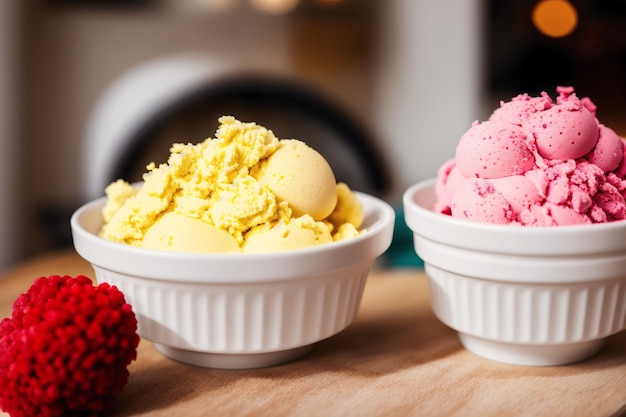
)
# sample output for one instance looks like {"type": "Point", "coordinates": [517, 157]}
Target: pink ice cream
{"type": "Point", "coordinates": [537, 162]}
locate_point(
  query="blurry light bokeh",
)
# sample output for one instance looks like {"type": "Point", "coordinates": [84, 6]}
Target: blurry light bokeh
{"type": "Point", "coordinates": [555, 18]}
{"type": "Point", "coordinates": [200, 6]}
{"type": "Point", "coordinates": [275, 6]}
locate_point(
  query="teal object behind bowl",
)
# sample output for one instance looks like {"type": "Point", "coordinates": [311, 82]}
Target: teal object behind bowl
{"type": "Point", "coordinates": [401, 253]}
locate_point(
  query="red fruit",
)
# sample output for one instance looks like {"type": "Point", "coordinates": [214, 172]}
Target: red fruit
{"type": "Point", "coordinates": [66, 348]}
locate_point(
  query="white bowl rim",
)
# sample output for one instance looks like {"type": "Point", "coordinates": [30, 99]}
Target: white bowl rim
{"type": "Point", "coordinates": [361, 251]}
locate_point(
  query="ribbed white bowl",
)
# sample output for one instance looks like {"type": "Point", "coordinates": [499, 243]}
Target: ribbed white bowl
{"type": "Point", "coordinates": [530, 296]}
{"type": "Point", "coordinates": [235, 310]}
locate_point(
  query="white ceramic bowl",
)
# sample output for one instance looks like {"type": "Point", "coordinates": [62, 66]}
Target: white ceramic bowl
{"type": "Point", "coordinates": [238, 311]}
{"type": "Point", "coordinates": [528, 296]}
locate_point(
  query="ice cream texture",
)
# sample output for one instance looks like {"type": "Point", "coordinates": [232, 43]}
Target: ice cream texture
{"type": "Point", "coordinates": [243, 190]}
{"type": "Point", "coordinates": [536, 162]}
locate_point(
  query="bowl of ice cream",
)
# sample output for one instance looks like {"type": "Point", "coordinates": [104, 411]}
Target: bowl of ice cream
{"type": "Point", "coordinates": [232, 267]}
{"type": "Point", "coordinates": [522, 233]}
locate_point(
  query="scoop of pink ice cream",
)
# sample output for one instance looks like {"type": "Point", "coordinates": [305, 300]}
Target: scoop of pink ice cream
{"type": "Point", "coordinates": [609, 203]}
{"type": "Point", "coordinates": [493, 149]}
{"type": "Point", "coordinates": [537, 162]}
{"type": "Point", "coordinates": [518, 190]}
{"type": "Point", "coordinates": [520, 108]}
{"type": "Point", "coordinates": [497, 200]}
{"type": "Point", "coordinates": [574, 184]}
{"type": "Point", "coordinates": [449, 178]}
{"type": "Point", "coordinates": [620, 171]}
{"type": "Point", "coordinates": [565, 215]}
{"type": "Point", "coordinates": [566, 130]}
{"type": "Point", "coordinates": [609, 150]}
{"type": "Point", "coordinates": [477, 199]}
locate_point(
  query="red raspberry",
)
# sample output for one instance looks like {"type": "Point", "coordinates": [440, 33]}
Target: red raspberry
{"type": "Point", "coordinates": [66, 348]}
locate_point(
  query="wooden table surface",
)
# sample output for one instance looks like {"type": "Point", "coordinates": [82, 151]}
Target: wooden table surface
{"type": "Point", "coordinates": [396, 359]}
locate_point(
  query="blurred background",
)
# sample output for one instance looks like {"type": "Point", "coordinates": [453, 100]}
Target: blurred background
{"type": "Point", "coordinates": [92, 90]}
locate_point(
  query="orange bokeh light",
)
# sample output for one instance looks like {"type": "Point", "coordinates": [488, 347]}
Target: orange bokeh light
{"type": "Point", "coordinates": [555, 18]}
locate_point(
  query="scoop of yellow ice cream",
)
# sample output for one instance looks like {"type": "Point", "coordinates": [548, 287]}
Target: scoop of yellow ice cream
{"type": "Point", "coordinates": [345, 231]}
{"type": "Point", "coordinates": [200, 180]}
{"type": "Point", "coordinates": [300, 232]}
{"type": "Point", "coordinates": [129, 222]}
{"type": "Point", "coordinates": [242, 205]}
{"type": "Point", "coordinates": [118, 192]}
{"type": "Point", "coordinates": [179, 233]}
{"type": "Point", "coordinates": [348, 209]}
{"type": "Point", "coordinates": [244, 189]}
{"type": "Point", "coordinates": [299, 175]}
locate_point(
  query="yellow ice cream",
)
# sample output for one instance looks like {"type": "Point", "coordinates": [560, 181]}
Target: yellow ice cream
{"type": "Point", "coordinates": [243, 190]}
{"type": "Point", "coordinates": [180, 233]}
{"type": "Point", "coordinates": [294, 168]}
{"type": "Point", "coordinates": [299, 232]}
{"type": "Point", "coordinates": [348, 208]}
